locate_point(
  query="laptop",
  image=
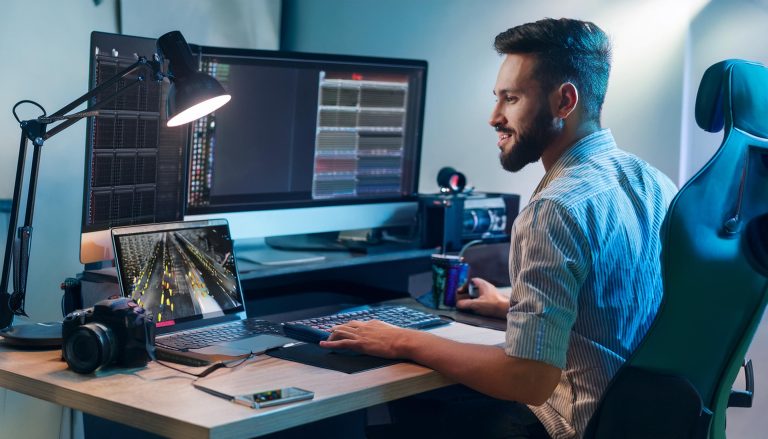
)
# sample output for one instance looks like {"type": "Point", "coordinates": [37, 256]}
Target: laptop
{"type": "Point", "coordinates": [185, 275]}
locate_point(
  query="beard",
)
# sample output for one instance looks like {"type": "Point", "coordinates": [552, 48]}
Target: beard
{"type": "Point", "coordinates": [531, 141]}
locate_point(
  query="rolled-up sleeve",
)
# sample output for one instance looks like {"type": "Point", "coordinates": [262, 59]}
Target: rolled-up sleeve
{"type": "Point", "coordinates": [549, 260]}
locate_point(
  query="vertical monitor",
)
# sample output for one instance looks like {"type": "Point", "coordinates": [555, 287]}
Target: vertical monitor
{"type": "Point", "coordinates": [135, 166]}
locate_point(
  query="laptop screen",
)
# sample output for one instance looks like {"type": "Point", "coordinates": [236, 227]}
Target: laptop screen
{"type": "Point", "coordinates": [179, 272]}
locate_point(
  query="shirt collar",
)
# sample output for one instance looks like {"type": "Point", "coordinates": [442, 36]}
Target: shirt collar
{"type": "Point", "coordinates": [578, 153]}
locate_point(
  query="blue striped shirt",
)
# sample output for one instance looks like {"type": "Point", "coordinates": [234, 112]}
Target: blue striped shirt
{"type": "Point", "coordinates": [585, 272]}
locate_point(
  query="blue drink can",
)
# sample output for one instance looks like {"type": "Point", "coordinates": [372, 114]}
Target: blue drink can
{"type": "Point", "coordinates": [449, 274]}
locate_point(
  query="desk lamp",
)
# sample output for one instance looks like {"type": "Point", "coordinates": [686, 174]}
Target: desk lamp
{"type": "Point", "coordinates": [192, 95]}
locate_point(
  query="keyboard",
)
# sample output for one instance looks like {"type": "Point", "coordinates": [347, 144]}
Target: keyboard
{"type": "Point", "coordinates": [200, 338]}
{"type": "Point", "coordinates": [318, 329]}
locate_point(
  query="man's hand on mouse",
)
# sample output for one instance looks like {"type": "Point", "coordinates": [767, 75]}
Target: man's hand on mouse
{"type": "Point", "coordinates": [489, 301]}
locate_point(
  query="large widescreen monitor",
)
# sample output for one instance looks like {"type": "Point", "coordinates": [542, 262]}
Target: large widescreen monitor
{"type": "Point", "coordinates": [307, 131]}
{"type": "Point", "coordinates": [308, 143]}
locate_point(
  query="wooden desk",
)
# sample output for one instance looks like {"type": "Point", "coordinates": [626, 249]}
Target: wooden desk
{"type": "Point", "coordinates": [164, 402]}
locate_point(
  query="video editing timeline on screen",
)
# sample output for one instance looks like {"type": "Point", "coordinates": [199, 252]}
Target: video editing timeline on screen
{"type": "Point", "coordinates": [304, 130]}
{"type": "Point", "coordinates": [180, 273]}
{"type": "Point", "coordinates": [359, 146]}
{"type": "Point", "coordinates": [135, 163]}
{"type": "Point", "coordinates": [359, 143]}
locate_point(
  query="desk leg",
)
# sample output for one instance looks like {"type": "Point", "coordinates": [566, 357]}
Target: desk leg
{"type": "Point", "coordinates": [71, 424]}
{"type": "Point", "coordinates": [25, 417]}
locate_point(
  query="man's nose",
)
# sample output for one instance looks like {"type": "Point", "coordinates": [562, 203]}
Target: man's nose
{"type": "Point", "coordinates": [496, 118]}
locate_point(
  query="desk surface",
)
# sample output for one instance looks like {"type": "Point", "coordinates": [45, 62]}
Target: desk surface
{"type": "Point", "coordinates": [163, 401]}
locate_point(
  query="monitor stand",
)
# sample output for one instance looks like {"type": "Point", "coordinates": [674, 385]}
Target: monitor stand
{"type": "Point", "coordinates": [314, 247]}
{"type": "Point", "coordinates": [362, 241]}
{"type": "Point", "coordinates": [272, 257]}
{"type": "Point", "coordinates": [259, 252]}
{"type": "Point", "coordinates": [307, 242]}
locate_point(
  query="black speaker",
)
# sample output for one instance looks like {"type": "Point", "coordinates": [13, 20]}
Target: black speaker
{"type": "Point", "coordinates": [440, 221]}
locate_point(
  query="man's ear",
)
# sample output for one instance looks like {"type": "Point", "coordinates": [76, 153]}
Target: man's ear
{"type": "Point", "coordinates": [566, 100]}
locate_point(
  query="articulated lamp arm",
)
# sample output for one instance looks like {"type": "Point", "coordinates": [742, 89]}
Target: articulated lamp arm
{"type": "Point", "coordinates": [192, 95]}
{"type": "Point", "coordinates": [36, 130]}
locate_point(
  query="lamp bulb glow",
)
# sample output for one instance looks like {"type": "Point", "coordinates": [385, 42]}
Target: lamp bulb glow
{"type": "Point", "coordinates": [198, 110]}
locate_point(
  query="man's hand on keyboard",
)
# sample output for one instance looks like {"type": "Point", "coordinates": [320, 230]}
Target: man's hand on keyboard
{"type": "Point", "coordinates": [373, 337]}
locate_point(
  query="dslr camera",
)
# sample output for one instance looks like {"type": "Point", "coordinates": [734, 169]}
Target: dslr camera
{"type": "Point", "coordinates": [112, 331]}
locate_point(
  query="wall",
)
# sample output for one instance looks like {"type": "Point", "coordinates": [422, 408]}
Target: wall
{"type": "Point", "coordinates": [45, 53]}
{"type": "Point", "coordinates": [226, 23]}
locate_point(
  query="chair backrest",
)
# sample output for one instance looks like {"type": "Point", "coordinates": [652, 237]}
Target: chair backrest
{"type": "Point", "coordinates": [714, 268]}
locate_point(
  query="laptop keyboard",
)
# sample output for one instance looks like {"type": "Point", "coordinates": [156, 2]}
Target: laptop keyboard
{"type": "Point", "coordinates": [200, 338]}
{"type": "Point", "coordinates": [317, 329]}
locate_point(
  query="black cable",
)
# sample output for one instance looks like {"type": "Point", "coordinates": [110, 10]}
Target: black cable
{"type": "Point", "coordinates": [468, 245]}
{"type": "Point", "coordinates": [213, 367]}
{"type": "Point", "coordinates": [25, 101]}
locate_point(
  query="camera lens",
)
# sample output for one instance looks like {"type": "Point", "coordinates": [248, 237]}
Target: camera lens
{"type": "Point", "coordinates": [90, 347]}
{"type": "Point", "coordinates": [477, 221]}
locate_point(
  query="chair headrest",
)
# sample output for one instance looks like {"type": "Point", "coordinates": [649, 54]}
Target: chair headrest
{"type": "Point", "coordinates": [734, 91]}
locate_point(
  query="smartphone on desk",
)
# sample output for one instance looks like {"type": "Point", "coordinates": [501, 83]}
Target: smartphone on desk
{"type": "Point", "coordinates": [270, 398]}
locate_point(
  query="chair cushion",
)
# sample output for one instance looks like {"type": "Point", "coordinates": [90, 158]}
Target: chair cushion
{"type": "Point", "coordinates": [644, 404]}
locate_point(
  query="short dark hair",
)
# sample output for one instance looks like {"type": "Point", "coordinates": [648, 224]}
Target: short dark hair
{"type": "Point", "coordinates": [566, 50]}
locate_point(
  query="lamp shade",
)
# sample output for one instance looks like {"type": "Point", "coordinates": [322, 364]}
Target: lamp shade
{"type": "Point", "coordinates": [193, 97]}
{"type": "Point", "coordinates": [192, 94]}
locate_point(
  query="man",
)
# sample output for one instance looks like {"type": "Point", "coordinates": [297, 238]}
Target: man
{"type": "Point", "coordinates": [584, 257]}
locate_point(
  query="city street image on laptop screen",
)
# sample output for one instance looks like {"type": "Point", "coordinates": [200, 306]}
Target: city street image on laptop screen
{"type": "Point", "coordinates": [180, 273]}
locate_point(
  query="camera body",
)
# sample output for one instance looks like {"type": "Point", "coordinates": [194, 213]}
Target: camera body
{"type": "Point", "coordinates": [452, 220]}
{"type": "Point", "coordinates": [112, 331]}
